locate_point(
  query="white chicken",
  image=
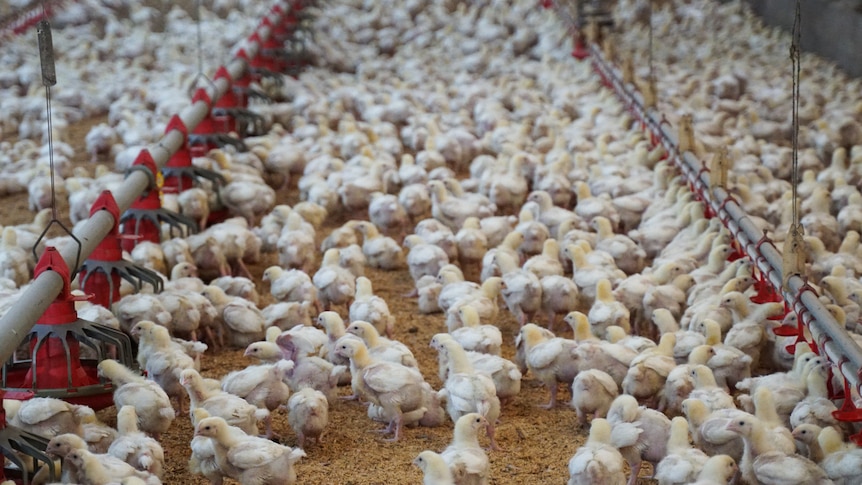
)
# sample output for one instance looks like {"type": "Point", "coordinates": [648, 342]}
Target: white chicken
{"type": "Point", "coordinates": [134, 447]}
{"type": "Point", "coordinates": [763, 463]}
{"type": "Point", "coordinates": [219, 403]}
{"type": "Point", "coordinates": [368, 307]}
{"type": "Point", "coordinates": [548, 262]}
{"type": "Point", "coordinates": [593, 390]}
{"type": "Point", "coordinates": [474, 336]}
{"type": "Point", "coordinates": [606, 311]}
{"type": "Point", "coordinates": [243, 321]}
{"type": "Point", "coordinates": [162, 359]}
{"type": "Point", "coordinates": [472, 244]}
{"type": "Point", "coordinates": [335, 285]}
{"type": "Point", "coordinates": [627, 254]}
{"type": "Point", "coordinates": [381, 251]}
{"type": "Point", "coordinates": [683, 463]}
{"type": "Point", "coordinates": [248, 198]}
{"type": "Point", "coordinates": [149, 401]}
{"type": "Point", "coordinates": [388, 215]}
{"type": "Point", "coordinates": [249, 459]}
{"type": "Point", "coordinates": [262, 386]}
{"type": "Point", "coordinates": [504, 373]}
{"type": "Point", "coordinates": [381, 348]}
{"type": "Point", "coordinates": [467, 391]}
{"type": "Point", "coordinates": [296, 245]}
{"type": "Point", "coordinates": [291, 285]}
{"type": "Point", "coordinates": [648, 444]}
{"type": "Point", "coordinates": [466, 459]}
{"type": "Point", "coordinates": [597, 461]}
{"type": "Point", "coordinates": [394, 387]}
{"type": "Point", "coordinates": [453, 211]}
{"type": "Point", "coordinates": [434, 469]}
{"type": "Point", "coordinates": [424, 258]}
{"type": "Point", "coordinates": [549, 359]}
{"type": "Point", "coordinates": [559, 296]}
{"type": "Point", "coordinates": [308, 415]}
{"type": "Point", "coordinates": [522, 292]}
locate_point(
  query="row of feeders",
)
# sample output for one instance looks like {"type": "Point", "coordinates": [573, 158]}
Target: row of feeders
{"type": "Point", "coordinates": [59, 357]}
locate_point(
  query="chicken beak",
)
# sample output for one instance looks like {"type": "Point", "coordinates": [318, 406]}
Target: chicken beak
{"type": "Point", "coordinates": [731, 426]}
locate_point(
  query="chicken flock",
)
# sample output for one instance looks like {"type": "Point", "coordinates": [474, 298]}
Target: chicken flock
{"type": "Point", "coordinates": [459, 144]}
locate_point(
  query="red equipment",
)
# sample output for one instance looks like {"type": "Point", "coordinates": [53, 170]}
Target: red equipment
{"type": "Point", "coordinates": [55, 365]}
{"type": "Point", "coordinates": [100, 274]}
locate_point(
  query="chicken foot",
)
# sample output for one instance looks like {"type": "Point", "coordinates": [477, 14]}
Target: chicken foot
{"type": "Point", "coordinates": [399, 422]}
{"type": "Point", "coordinates": [491, 431]}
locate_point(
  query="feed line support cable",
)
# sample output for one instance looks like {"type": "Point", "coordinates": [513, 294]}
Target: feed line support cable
{"type": "Point", "coordinates": [17, 322]}
{"type": "Point", "coordinates": [837, 344]}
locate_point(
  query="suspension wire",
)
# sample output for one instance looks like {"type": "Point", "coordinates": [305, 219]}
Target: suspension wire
{"type": "Point", "coordinates": [51, 152]}
{"type": "Point", "coordinates": [49, 78]}
{"type": "Point", "coordinates": [795, 58]}
{"type": "Point", "coordinates": [200, 37]}
{"type": "Point", "coordinates": [649, 47]}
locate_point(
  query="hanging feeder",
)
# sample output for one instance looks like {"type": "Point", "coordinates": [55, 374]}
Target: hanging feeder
{"type": "Point", "coordinates": [100, 274]}
{"type": "Point", "coordinates": [243, 85]}
{"type": "Point", "coordinates": [179, 172]}
{"type": "Point", "coordinates": [209, 134]}
{"type": "Point", "coordinates": [268, 62]}
{"type": "Point", "coordinates": [55, 366]}
{"type": "Point", "coordinates": [231, 110]}
{"type": "Point", "coordinates": [579, 50]}
{"type": "Point", "coordinates": [181, 175]}
{"type": "Point", "coordinates": [849, 412]}
{"type": "Point", "coordinates": [145, 216]}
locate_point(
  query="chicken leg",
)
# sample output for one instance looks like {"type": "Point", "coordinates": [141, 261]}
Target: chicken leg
{"type": "Point", "coordinates": [553, 401]}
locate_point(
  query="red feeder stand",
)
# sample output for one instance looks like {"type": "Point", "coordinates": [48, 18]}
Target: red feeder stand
{"type": "Point", "coordinates": [55, 366]}
{"type": "Point", "coordinates": [231, 110]}
{"type": "Point", "coordinates": [210, 133]}
{"type": "Point", "coordinates": [145, 216]}
{"type": "Point", "coordinates": [579, 50]}
{"type": "Point", "coordinates": [242, 86]}
{"type": "Point", "coordinates": [100, 274]}
{"type": "Point", "coordinates": [179, 172]}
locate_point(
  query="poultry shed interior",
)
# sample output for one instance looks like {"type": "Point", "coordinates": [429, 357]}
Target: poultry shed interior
{"type": "Point", "coordinates": [439, 242]}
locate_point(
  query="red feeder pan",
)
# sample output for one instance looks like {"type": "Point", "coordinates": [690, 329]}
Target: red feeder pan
{"type": "Point", "coordinates": [100, 274]}
{"type": "Point", "coordinates": [16, 443]}
{"type": "Point", "coordinates": [55, 366]}
{"type": "Point", "coordinates": [145, 216]}
{"type": "Point", "coordinates": [580, 51]}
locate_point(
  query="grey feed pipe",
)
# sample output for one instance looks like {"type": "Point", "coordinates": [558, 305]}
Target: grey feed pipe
{"type": "Point", "coordinates": [830, 336]}
{"type": "Point", "coordinates": [44, 289]}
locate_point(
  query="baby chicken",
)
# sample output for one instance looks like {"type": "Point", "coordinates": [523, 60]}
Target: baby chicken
{"type": "Point", "coordinates": [308, 415]}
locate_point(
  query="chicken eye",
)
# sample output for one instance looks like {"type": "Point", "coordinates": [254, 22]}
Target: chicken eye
{"type": "Point", "coordinates": [742, 423]}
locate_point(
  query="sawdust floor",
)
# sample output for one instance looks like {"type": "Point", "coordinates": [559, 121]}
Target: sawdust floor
{"type": "Point", "coordinates": [536, 444]}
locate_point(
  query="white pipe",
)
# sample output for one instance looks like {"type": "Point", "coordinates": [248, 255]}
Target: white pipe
{"type": "Point", "coordinates": [838, 346]}
{"type": "Point", "coordinates": [33, 301]}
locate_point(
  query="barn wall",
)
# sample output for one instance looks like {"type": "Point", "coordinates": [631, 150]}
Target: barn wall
{"type": "Point", "coordinates": [831, 28]}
